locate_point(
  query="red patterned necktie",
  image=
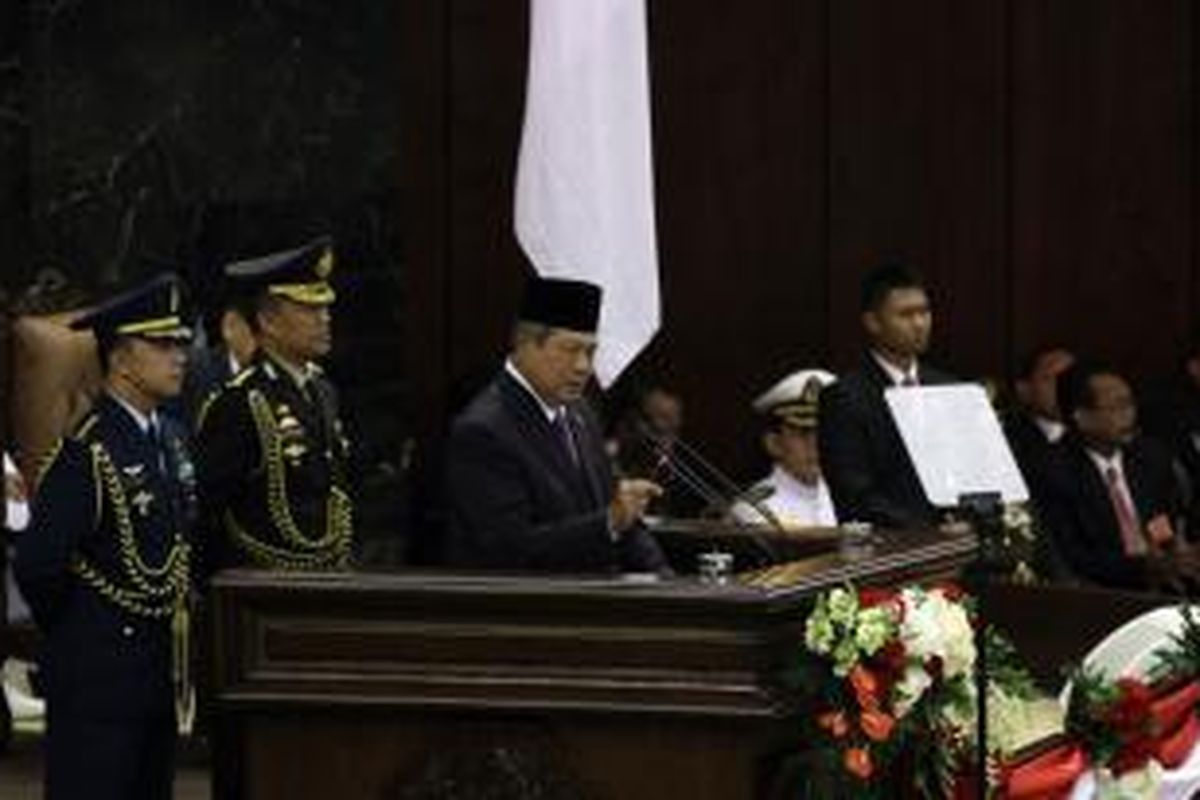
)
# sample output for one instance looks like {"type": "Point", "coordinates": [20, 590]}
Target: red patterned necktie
{"type": "Point", "coordinates": [1131, 535]}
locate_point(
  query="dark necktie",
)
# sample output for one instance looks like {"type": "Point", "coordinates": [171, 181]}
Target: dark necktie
{"type": "Point", "coordinates": [154, 433]}
{"type": "Point", "coordinates": [563, 425]}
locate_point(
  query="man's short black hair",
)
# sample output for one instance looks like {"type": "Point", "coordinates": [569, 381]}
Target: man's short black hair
{"type": "Point", "coordinates": [885, 279]}
{"type": "Point", "coordinates": [1074, 385]}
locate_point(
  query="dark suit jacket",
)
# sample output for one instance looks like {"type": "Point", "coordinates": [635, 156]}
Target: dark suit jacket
{"type": "Point", "coordinates": [100, 660]}
{"type": "Point", "coordinates": [1030, 447]}
{"type": "Point", "coordinates": [517, 501]}
{"type": "Point", "coordinates": [870, 475]}
{"type": "Point", "coordinates": [1076, 508]}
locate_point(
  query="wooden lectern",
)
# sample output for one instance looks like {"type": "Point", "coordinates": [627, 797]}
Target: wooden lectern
{"type": "Point", "coordinates": [451, 685]}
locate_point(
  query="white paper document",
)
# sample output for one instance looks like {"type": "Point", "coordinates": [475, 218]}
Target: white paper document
{"type": "Point", "coordinates": [954, 440]}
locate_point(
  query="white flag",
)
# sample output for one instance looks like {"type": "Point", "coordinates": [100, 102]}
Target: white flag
{"type": "Point", "coordinates": [585, 184]}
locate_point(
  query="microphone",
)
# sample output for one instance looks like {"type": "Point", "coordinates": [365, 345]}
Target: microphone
{"type": "Point", "coordinates": [723, 498]}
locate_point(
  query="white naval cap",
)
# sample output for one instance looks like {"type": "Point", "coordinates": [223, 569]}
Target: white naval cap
{"type": "Point", "coordinates": [794, 398]}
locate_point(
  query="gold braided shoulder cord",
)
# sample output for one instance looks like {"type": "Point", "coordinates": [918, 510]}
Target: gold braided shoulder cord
{"type": "Point", "coordinates": [329, 549]}
{"type": "Point", "coordinates": [156, 591]}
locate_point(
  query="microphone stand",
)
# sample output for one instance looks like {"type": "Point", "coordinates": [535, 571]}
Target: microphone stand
{"type": "Point", "coordinates": [984, 510]}
{"type": "Point", "coordinates": [723, 498]}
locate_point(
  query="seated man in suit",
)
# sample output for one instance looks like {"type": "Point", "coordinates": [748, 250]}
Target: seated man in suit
{"type": "Point", "coordinates": [1109, 493]}
{"type": "Point", "coordinates": [869, 472]}
{"type": "Point", "coordinates": [1036, 423]}
{"type": "Point", "coordinates": [529, 485]}
{"type": "Point", "coordinates": [798, 496]}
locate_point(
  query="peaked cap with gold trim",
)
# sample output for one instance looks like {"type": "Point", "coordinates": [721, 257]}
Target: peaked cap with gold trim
{"type": "Point", "coordinates": [301, 274]}
{"type": "Point", "coordinates": [152, 310]}
{"type": "Point", "coordinates": [793, 401]}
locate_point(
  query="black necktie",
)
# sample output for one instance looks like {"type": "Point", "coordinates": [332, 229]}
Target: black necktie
{"type": "Point", "coordinates": [156, 442]}
{"type": "Point", "coordinates": [563, 425]}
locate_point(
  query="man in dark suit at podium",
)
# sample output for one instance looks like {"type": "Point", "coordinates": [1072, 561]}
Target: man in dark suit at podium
{"type": "Point", "coordinates": [529, 485]}
{"type": "Point", "coordinates": [1109, 493]}
{"type": "Point", "coordinates": [868, 470]}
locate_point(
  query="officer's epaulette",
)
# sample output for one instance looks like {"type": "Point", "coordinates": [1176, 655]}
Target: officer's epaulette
{"type": "Point", "coordinates": [237, 381]}
{"type": "Point", "coordinates": [80, 433]}
{"type": "Point", "coordinates": [244, 375]}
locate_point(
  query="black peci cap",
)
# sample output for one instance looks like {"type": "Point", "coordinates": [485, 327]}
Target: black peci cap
{"type": "Point", "coordinates": [561, 303]}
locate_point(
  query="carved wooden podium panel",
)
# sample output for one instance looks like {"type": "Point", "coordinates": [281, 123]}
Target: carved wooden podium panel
{"type": "Point", "coordinates": [449, 685]}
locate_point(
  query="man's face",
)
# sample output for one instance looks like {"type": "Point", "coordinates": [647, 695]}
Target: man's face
{"type": "Point", "coordinates": [299, 331]}
{"type": "Point", "coordinates": [795, 450]}
{"type": "Point", "coordinates": [558, 365]}
{"type": "Point", "coordinates": [1038, 392]}
{"type": "Point", "coordinates": [154, 366]}
{"type": "Point", "coordinates": [1111, 418]}
{"type": "Point", "coordinates": [663, 412]}
{"type": "Point", "coordinates": [902, 323]}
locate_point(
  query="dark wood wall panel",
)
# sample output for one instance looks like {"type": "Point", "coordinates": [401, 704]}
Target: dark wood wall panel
{"type": "Point", "coordinates": [740, 176]}
{"type": "Point", "coordinates": [487, 89]}
{"type": "Point", "coordinates": [918, 152]}
{"type": "Point", "coordinates": [1036, 160]}
{"type": "Point", "coordinates": [1102, 180]}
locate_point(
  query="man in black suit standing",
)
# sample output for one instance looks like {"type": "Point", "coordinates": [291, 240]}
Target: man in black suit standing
{"type": "Point", "coordinates": [529, 485]}
{"type": "Point", "coordinates": [868, 470]}
{"type": "Point", "coordinates": [1109, 495]}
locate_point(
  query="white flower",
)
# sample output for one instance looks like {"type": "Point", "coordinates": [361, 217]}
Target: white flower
{"type": "Point", "coordinates": [935, 627]}
{"type": "Point", "coordinates": [819, 634]}
{"type": "Point", "coordinates": [910, 688]}
{"type": "Point", "coordinates": [843, 605]}
{"type": "Point", "coordinates": [845, 656]}
{"type": "Point", "coordinates": [874, 629]}
{"type": "Point", "coordinates": [1143, 784]}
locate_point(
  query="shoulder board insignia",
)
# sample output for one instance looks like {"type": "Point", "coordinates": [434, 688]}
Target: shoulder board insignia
{"type": "Point", "coordinates": [243, 376]}
{"type": "Point", "coordinates": [85, 427]}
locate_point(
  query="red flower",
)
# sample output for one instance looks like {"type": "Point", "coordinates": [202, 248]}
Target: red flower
{"type": "Point", "coordinates": [1133, 756]}
{"type": "Point", "coordinates": [869, 598]}
{"type": "Point", "coordinates": [857, 761]}
{"type": "Point", "coordinates": [835, 723]}
{"type": "Point", "coordinates": [1130, 714]}
{"type": "Point", "coordinates": [891, 659]}
{"type": "Point", "coordinates": [876, 725]}
{"type": "Point", "coordinates": [951, 591]}
{"type": "Point", "coordinates": [866, 686]}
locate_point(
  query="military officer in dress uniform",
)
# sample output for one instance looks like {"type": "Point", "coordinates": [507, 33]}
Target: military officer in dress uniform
{"type": "Point", "coordinates": [795, 493]}
{"type": "Point", "coordinates": [272, 455]}
{"type": "Point", "coordinates": [104, 564]}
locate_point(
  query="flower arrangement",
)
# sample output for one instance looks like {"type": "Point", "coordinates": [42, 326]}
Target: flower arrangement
{"type": "Point", "coordinates": [888, 676]}
{"type": "Point", "coordinates": [895, 671]}
{"type": "Point", "coordinates": [1131, 728]}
